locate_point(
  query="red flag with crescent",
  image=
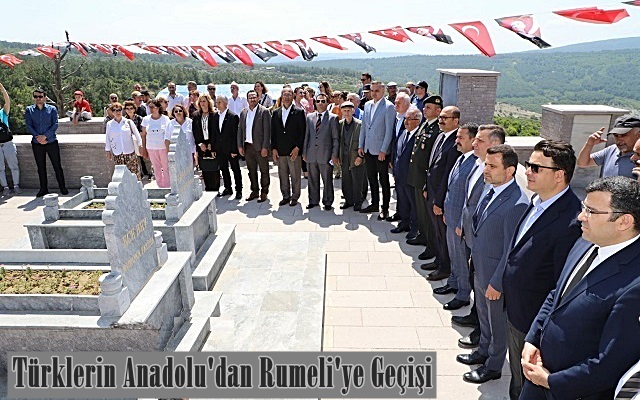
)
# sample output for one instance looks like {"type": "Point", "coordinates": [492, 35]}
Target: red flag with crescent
{"type": "Point", "coordinates": [175, 50]}
{"type": "Point", "coordinates": [357, 39]}
{"type": "Point", "coordinates": [10, 60]}
{"type": "Point", "coordinates": [261, 52]}
{"type": "Point", "coordinates": [240, 53]}
{"type": "Point", "coordinates": [284, 49]}
{"type": "Point", "coordinates": [151, 49]}
{"type": "Point", "coordinates": [524, 26]}
{"type": "Point", "coordinates": [396, 33]}
{"type": "Point", "coordinates": [478, 35]}
{"type": "Point", "coordinates": [594, 15]}
{"type": "Point", "coordinates": [126, 52]}
{"type": "Point", "coordinates": [327, 41]}
{"type": "Point", "coordinates": [205, 55]}
{"type": "Point", "coordinates": [223, 53]}
{"type": "Point", "coordinates": [80, 49]}
{"type": "Point", "coordinates": [48, 51]}
{"type": "Point", "coordinates": [430, 32]}
{"type": "Point", "coordinates": [102, 48]}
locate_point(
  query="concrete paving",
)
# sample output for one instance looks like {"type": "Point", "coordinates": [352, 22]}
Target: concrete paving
{"type": "Point", "coordinates": [375, 297]}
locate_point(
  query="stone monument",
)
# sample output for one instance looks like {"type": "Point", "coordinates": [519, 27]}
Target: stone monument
{"type": "Point", "coordinates": [183, 181]}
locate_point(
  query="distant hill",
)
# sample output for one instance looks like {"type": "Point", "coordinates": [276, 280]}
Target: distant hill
{"type": "Point", "coordinates": [600, 45]}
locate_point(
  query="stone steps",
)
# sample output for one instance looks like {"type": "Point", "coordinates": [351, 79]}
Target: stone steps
{"type": "Point", "coordinates": [193, 334]}
{"type": "Point", "coordinates": [212, 256]}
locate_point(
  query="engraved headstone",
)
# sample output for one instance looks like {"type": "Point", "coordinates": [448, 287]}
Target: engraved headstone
{"type": "Point", "coordinates": [183, 190]}
{"type": "Point", "coordinates": [129, 232]}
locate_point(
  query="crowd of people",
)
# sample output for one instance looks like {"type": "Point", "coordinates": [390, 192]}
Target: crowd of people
{"type": "Point", "coordinates": [556, 280]}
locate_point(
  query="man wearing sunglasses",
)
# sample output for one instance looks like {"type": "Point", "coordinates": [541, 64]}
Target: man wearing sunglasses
{"type": "Point", "coordinates": [42, 122]}
{"type": "Point", "coordinates": [614, 160]}
{"type": "Point", "coordinates": [538, 250]}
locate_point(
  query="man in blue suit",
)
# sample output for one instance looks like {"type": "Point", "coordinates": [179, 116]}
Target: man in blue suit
{"type": "Point", "coordinates": [494, 223]}
{"type": "Point", "coordinates": [586, 334]}
{"type": "Point", "coordinates": [406, 204]}
{"type": "Point", "coordinates": [545, 234]}
{"type": "Point", "coordinates": [458, 282]}
{"type": "Point", "coordinates": [376, 135]}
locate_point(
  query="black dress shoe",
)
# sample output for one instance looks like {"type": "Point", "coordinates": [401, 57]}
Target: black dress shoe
{"type": "Point", "coordinates": [284, 201]}
{"type": "Point", "coordinates": [400, 229]}
{"type": "Point", "coordinates": [471, 359]}
{"type": "Point", "coordinates": [467, 320]}
{"type": "Point", "coordinates": [471, 341]}
{"type": "Point", "coordinates": [252, 196]}
{"type": "Point", "coordinates": [64, 191]}
{"type": "Point", "coordinates": [328, 208]}
{"type": "Point", "coordinates": [446, 289]}
{"type": "Point", "coordinates": [42, 193]}
{"type": "Point", "coordinates": [481, 375]}
{"type": "Point", "coordinates": [226, 192]}
{"type": "Point", "coordinates": [436, 276]}
{"type": "Point", "coordinates": [395, 217]}
{"type": "Point", "coordinates": [370, 209]}
{"type": "Point", "coordinates": [357, 207]}
{"type": "Point", "coordinates": [411, 235]}
{"type": "Point", "coordinates": [432, 266]}
{"type": "Point", "coordinates": [345, 206]}
{"type": "Point", "coordinates": [417, 241]}
{"type": "Point", "coordinates": [455, 304]}
{"type": "Point", "coordinates": [293, 203]}
{"type": "Point", "coordinates": [427, 254]}
{"type": "Point", "coordinates": [383, 215]}
{"type": "Point", "coordinates": [238, 195]}
{"type": "Point", "coordinates": [263, 198]}
{"type": "Point", "coordinates": [310, 206]}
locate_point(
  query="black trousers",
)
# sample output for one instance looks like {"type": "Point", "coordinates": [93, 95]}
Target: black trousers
{"type": "Point", "coordinates": [40, 152]}
{"type": "Point", "coordinates": [378, 170]}
{"type": "Point", "coordinates": [440, 230]}
{"type": "Point", "coordinates": [226, 161]}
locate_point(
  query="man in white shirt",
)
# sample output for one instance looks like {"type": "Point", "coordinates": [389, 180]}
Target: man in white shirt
{"type": "Point", "coordinates": [237, 103]}
{"type": "Point", "coordinates": [173, 98]}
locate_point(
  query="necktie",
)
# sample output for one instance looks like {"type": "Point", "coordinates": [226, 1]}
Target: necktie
{"type": "Point", "coordinates": [436, 148]}
{"type": "Point", "coordinates": [630, 388]}
{"type": "Point", "coordinates": [318, 122]}
{"type": "Point", "coordinates": [581, 272]}
{"type": "Point", "coordinates": [456, 167]}
{"type": "Point", "coordinates": [482, 207]}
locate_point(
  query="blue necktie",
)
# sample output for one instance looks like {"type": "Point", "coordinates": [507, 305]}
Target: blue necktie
{"type": "Point", "coordinates": [482, 207]}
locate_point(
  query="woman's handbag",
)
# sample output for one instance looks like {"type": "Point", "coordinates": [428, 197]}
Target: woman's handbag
{"type": "Point", "coordinates": [209, 164]}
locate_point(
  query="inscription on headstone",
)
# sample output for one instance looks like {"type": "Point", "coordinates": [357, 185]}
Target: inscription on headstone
{"type": "Point", "coordinates": [181, 173]}
{"type": "Point", "coordinates": [128, 231]}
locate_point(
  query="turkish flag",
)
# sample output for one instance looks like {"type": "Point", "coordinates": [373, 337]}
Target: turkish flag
{"type": "Point", "coordinates": [477, 34]}
{"type": "Point", "coordinates": [357, 39]}
{"type": "Point", "coordinates": [430, 32]}
{"type": "Point", "coordinates": [226, 55]}
{"type": "Point", "coordinates": [48, 51]}
{"type": "Point", "coordinates": [177, 51]}
{"type": "Point", "coordinates": [262, 53]}
{"type": "Point", "coordinates": [163, 50]}
{"type": "Point", "coordinates": [204, 55]}
{"type": "Point", "coordinates": [10, 60]}
{"type": "Point", "coordinates": [594, 15]}
{"type": "Point", "coordinates": [331, 42]}
{"type": "Point", "coordinates": [151, 49]}
{"type": "Point", "coordinates": [80, 49]}
{"type": "Point", "coordinates": [307, 52]}
{"type": "Point", "coordinates": [396, 33]}
{"type": "Point", "coordinates": [102, 48]}
{"type": "Point", "coordinates": [284, 49]}
{"type": "Point", "coordinates": [526, 27]}
{"type": "Point", "coordinates": [240, 53]}
{"type": "Point", "coordinates": [88, 48]}
{"type": "Point", "coordinates": [126, 52]}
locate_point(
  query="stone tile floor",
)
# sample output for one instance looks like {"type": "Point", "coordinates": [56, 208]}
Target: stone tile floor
{"type": "Point", "coordinates": [376, 297]}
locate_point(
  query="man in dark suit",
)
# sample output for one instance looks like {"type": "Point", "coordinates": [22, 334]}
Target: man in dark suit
{"type": "Point", "coordinates": [288, 127]}
{"type": "Point", "coordinates": [406, 204]}
{"type": "Point", "coordinates": [494, 222]}
{"type": "Point", "coordinates": [586, 334]}
{"type": "Point", "coordinates": [459, 253]}
{"type": "Point", "coordinates": [225, 129]}
{"type": "Point", "coordinates": [376, 134]}
{"type": "Point", "coordinates": [426, 136]}
{"type": "Point", "coordinates": [401, 104]}
{"type": "Point", "coordinates": [254, 139]}
{"type": "Point", "coordinates": [353, 169]}
{"type": "Point", "coordinates": [543, 238]}
{"type": "Point", "coordinates": [321, 145]}
{"type": "Point", "coordinates": [442, 159]}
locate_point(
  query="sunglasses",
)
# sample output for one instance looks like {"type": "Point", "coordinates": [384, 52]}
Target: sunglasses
{"type": "Point", "coordinates": [37, 96]}
{"type": "Point", "coordinates": [113, 98]}
{"type": "Point", "coordinates": [117, 110]}
{"type": "Point", "coordinates": [177, 110]}
{"type": "Point", "coordinates": [321, 101]}
{"type": "Point", "coordinates": [535, 168]}
{"type": "Point", "coordinates": [211, 89]}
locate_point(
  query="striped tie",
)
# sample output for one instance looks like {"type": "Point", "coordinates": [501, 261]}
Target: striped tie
{"type": "Point", "coordinates": [318, 122]}
{"type": "Point", "coordinates": [631, 387]}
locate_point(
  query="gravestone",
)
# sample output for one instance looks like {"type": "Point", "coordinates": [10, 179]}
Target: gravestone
{"type": "Point", "coordinates": [128, 231]}
{"type": "Point", "coordinates": [183, 188]}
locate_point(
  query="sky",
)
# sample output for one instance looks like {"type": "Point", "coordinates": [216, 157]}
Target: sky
{"type": "Point", "coordinates": [190, 22]}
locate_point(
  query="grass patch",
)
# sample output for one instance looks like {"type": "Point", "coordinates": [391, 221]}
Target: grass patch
{"type": "Point", "coordinates": [31, 281]}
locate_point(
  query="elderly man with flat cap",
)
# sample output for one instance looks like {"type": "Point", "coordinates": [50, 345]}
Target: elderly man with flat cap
{"type": "Point", "coordinates": [392, 91]}
{"type": "Point", "coordinates": [614, 160]}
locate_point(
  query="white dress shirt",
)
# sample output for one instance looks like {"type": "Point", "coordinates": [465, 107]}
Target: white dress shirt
{"type": "Point", "coordinates": [373, 109]}
{"type": "Point", "coordinates": [178, 99]}
{"type": "Point", "coordinates": [539, 207]}
{"type": "Point", "coordinates": [496, 192]}
{"type": "Point", "coordinates": [477, 174]}
{"type": "Point", "coordinates": [285, 114]}
{"type": "Point", "coordinates": [238, 104]}
{"type": "Point", "coordinates": [118, 137]}
{"type": "Point", "coordinates": [221, 116]}
{"type": "Point", "coordinates": [251, 115]}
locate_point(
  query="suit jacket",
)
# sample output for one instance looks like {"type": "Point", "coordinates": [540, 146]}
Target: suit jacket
{"type": "Point", "coordinates": [393, 147]}
{"type": "Point", "coordinates": [456, 192]}
{"type": "Point", "coordinates": [535, 262]}
{"type": "Point", "coordinates": [348, 154]}
{"type": "Point", "coordinates": [261, 131]}
{"type": "Point", "coordinates": [227, 138]}
{"type": "Point", "coordinates": [285, 138]}
{"type": "Point", "coordinates": [198, 135]}
{"type": "Point", "coordinates": [422, 146]}
{"type": "Point", "coordinates": [439, 168]}
{"type": "Point", "coordinates": [320, 147]}
{"type": "Point", "coordinates": [590, 337]}
{"type": "Point", "coordinates": [469, 207]}
{"type": "Point", "coordinates": [492, 237]}
{"type": "Point", "coordinates": [402, 161]}
{"type": "Point", "coordinates": [376, 134]}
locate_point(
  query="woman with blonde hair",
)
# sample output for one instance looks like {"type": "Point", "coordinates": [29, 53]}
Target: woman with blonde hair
{"type": "Point", "coordinates": [122, 140]}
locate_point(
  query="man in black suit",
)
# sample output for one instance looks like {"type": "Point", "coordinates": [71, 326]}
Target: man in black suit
{"type": "Point", "coordinates": [539, 248]}
{"type": "Point", "coordinates": [225, 129]}
{"type": "Point", "coordinates": [288, 127]}
{"type": "Point", "coordinates": [443, 157]}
